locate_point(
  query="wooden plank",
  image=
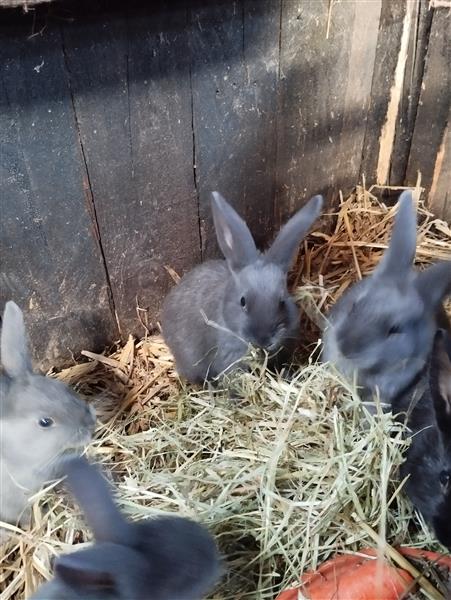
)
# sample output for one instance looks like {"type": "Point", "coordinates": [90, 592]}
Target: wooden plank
{"type": "Point", "coordinates": [235, 50]}
{"type": "Point", "coordinates": [413, 77]}
{"type": "Point", "coordinates": [51, 263]}
{"type": "Point", "coordinates": [434, 105]}
{"type": "Point", "coordinates": [139, 151]}
{"type": "Point", "coordinates": [326, 66]}
{"type": "Point", "coordinates": [392, 23]}
{"type": "Point", "coordinates": [439, 197]}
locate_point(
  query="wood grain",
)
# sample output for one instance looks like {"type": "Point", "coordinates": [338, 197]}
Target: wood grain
{"type": "Point", "coordinates": [131, 85]}
{"type": "Point", "coordinates": [326, 67]}
{"type": "Point", "coordinates": [434, 107]}
{"type": "Point", "coordinates": [51, 263]}
{"type": "Point", "coordinates": [235, 52]}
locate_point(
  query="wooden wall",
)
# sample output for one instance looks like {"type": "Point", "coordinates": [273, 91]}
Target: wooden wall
{"type": "Point", "coordinates": [116, 123]}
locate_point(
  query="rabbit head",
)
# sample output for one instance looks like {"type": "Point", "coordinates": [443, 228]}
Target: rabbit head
{"type": "Point", "coordinates": [383, 327]}
{"type": "Point", "coordinates": [104, 571]}
{"type": "Point", "coordinates": [41, 417]}
{"type": "Point", "coordinates": [167, 558]}
{"type": "Point", "coordinates": [257, 305]}
{"type": "Point", "coordinates": [428, 463]}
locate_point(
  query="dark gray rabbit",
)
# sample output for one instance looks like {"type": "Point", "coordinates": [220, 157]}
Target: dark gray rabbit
{"type": "Point", "coordinates": [220, 307]}
{"type": "Point", "coordinates": [382, 329]}
{"type": "Point", "coordinates": [167, 558]}
{"type": "Point", "coordinates": [40, 419]}
{"type": "Point", "coordinates": [428, 462]}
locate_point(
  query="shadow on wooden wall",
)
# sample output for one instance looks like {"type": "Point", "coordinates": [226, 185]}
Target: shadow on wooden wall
{"type": "Point", "coordinates": [117, 123]}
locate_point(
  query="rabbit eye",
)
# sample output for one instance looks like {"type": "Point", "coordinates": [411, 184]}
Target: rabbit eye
{"type": "Point", "coordinates": [445, 479]}
{"type": "Point", "coordinates": [243, 301]}
{"type": "Point", "coordinates": [394, 329]}
{"type": "Point", "coordinates": [281, 304]}
{"type": "Point", "coordinates": [45, 422]}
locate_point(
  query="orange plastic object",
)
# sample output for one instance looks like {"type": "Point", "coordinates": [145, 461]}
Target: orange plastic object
{"type": "Point", "coordinates": [351, 577]}
{"type": "Point", "coordinates": [433, 557]}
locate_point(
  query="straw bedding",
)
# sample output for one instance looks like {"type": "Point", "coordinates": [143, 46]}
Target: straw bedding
{"type": "Point", "coordinates": [285, 477]}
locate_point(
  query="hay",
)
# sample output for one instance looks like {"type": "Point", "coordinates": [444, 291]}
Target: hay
{"type": "Point", "coordinates": [286, 477]}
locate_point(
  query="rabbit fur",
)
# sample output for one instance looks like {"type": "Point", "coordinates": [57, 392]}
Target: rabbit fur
{"type": "Point", "coordinates": [166, 558]}
{"type": "Point", "coordinates": [222, 306]}
{"type": "Point", "coordinates": [40, 420]}
{"type": "Point", "coordinates": [428, 462]}
{"type": "Point", "coordinates": [382, 329]}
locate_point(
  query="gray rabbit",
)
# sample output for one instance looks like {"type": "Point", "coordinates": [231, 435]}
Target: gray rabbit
{"type": "Point", "coordinates": [40, 420]}
{"type": "Point", "coordinates": [167, 558]}
{"type": "Point", "coordinates": [428, 462]}
{"type": "Point", "coordinates": [222, 306]}
{"type": "Point", "coordinates": [382, 329]}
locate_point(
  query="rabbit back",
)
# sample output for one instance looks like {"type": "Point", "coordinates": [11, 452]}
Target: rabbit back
{"type": "Point", "coordinates": [422, 458]}
{"type": "Point", "coordinates": [200, 350]}
{"type": "Point", "coordinates": [183, 555]}
{"type": "Point", "coordinates": [427, 467]}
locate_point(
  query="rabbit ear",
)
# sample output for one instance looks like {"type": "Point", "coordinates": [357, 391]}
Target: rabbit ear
{"type": "Point", "coordinates": [104, 568]}
{"type": "Point", "coordinates": [79, 570]}
{"type": "Point", "coordinates": [440, 380]}
{"type": "Point", "coordinates": [399, 256]}
{"type": "Point", "coordinates": [293, 232]}
{"type": "Point", "coordinates": [94, 496]}
{"type": "Point", "coordinates": [434, 284]}
{"type": "Point", "coordinates": [234, 237]}
{"type": "Point", "coordinates": [15, 356]}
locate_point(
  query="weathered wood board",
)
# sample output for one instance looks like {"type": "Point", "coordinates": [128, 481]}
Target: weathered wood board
{"type": "Point", "coordinates": [131, 86]}
{"type": "Point", "coordinates": [234, 73]}
{"type": "Point", "coordinates": [429, 155]}
{"type": "Point", "coordinates": [392, 23]}
{"type": "Point", "coordinates": [439, 196]}
{"type": "Point", "coordinates": [326, 67]}
{"type": "Point", "coordinates": [51, 262]}
{"type": "Point", "coordinates": [413, 78]}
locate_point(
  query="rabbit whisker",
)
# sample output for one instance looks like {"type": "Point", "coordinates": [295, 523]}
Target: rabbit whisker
{"type": "Point", "coordinates": [222, 328]}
